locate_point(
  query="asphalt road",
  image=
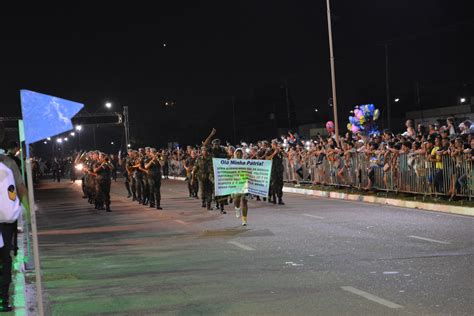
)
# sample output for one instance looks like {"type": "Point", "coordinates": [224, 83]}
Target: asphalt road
{"type": "Point", "coordinates": [313, 256]}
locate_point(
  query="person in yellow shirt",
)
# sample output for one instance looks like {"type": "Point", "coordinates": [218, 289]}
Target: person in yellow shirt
{"type": "Point", "coordinates": [437, 159]}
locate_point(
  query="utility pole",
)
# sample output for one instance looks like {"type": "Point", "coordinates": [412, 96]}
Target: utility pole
{"type": "Point", "coordinates": [387, 90]}
{"type": "Point", "coordinates": [126, 126]}
{"type": "Point", "coordinates": [287, 97]}
{"type": "Point", "coordinates": [333, 72]}
{"type": "Point", "coordinates": [234, 121]}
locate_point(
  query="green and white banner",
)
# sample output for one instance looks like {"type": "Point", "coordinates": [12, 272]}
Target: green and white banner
{"type": "Point", "coordinates": [238, 176]}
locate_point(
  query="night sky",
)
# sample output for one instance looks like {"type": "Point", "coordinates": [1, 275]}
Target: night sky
{"type": "Point", "coordinates": [219, 49]}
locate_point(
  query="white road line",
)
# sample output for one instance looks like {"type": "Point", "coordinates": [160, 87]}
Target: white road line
{"type": "Point", "coordinates": [371, 297]}
{"type": "Point", "coordinates": [180, 222]}
{"type": "Point", "coordinates": [242, 246]}
{"type": "Point", "coordinates": [432, 240]}
{"type": "Point", "coordinates": [314, 216]}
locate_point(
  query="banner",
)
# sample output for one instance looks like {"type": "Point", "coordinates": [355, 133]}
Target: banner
{"type": "Point", "coordinates": [236, 176]}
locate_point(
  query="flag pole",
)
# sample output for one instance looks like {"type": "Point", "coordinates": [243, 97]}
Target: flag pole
{"type": "Point", "coordinates": [31, 198]}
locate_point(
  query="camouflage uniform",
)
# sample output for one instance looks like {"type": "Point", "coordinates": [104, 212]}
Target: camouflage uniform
{"type": "Point", "coordinates": [193, 186]}
{"type": "Point", "coordinates": [102, 186]}
{"type": "Point", "coordinates": [205, 175]}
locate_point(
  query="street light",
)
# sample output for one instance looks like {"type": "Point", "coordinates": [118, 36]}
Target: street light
{"type": "Point", "coordinates": [111, 143]}
{"type": "Point", "coordinates": [108, 105]}
{"type": "Point", "coordinates": [462, 100]}
{"type": "Point", "coordinates": [49, 138]}
{"type": "Point", "coordinates": [59, 140]}
{"type": "Point", "coordinates": [397, 100]}
{"type": "Point", "coordinates": [79, 128]}
{"type": "Point", "coordinates": [66, 139]}
{"type": "Point", "coordinates": [316, 110]}
{"type": "Point", "coordinates": [72, 134]}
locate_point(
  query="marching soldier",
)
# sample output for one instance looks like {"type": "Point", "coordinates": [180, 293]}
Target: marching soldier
{"type": "Point", "coordinates": [153, 176]}
{"type": "Point", "coordinates": [193, 187]}
{"type": "Point", "coordinates": [204, 173]}
{"type": "Point", "coordinates": [138, 175]}
{"type": "Point", "coordinates": [103, 171]}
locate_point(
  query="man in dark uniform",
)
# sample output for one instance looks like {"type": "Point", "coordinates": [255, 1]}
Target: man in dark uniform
{"type": "Point", "coordinates": [146, 187]}
{"type": "Point", "coordinates": [276, 154]}
{"type": "Point", "coordinates": [193, 187]}
{"type": "Point", "coordinates": [103, 171]}
{"type": "Point", "coordinates": [203, 171]}
{"type": "Point", "coordinates": [217, 151]}
{"type": "Point", "coordinates": [124, 163]}
{"type": "Point", "coordinates": [138, 175]}
{"type": "Point", "coordinates": [153, 175]}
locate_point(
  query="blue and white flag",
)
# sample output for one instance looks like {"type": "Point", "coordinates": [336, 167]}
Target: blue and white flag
{"type": "Point", "coordinates": [46, 116]}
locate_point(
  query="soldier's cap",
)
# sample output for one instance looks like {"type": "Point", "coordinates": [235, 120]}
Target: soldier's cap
{"type": "Point", "coordinates": [264, 142]}
{"type": "Point", "coordinates": [275, 141]}
{"type": "Point", "coordinates": [216, 141]}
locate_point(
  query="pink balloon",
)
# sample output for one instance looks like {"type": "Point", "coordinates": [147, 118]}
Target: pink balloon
{"type": "Point", "coordinates": [354, 129]}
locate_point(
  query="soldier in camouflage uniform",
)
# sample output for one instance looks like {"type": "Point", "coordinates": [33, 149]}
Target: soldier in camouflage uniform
{"type": "Point", "coordinates": [276, 154]}
{"type": "Point", "coordinates": [193, 186]}
{"type": "Point", "coordinates": [138, 175]}
{"type": "Point", "coordinates": [217, 151]}
{"type": "Point", "coordinates": [153, 176]}
{"type": "Point", "coordinates": [204, 173]}
{"type": "Point", "coordinates": [103, 171]}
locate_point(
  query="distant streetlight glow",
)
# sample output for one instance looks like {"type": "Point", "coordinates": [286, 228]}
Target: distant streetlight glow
{"type": "Point", "coordinates": [72, 134]}
{"type": "Point", "coordinates": [59, 140]}
{"type": "Point", "coordinates": [462, 100]}
{"type": "Point", "coordinates": [108, 105]}
{"type": "Point", "coordinates": [45, 142]}
{"type": "Point", "coordinates": [397, 100]}
{"type": "Point", "coordinates": [129, 145]}
{"type": "Point", "coordinates": [79, 128]}
{"type": "Point", "coordinates": [49, 138]}
{"type": "Point", "coordinates": [111, 143]}
{"type": "Point", "coordinates": [316, 110]}
{"type": "Point", "coordinates": [66, 139]}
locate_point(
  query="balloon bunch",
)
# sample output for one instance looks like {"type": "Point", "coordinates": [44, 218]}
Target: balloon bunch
{"type": "Point", "coordinates": [364, 119]}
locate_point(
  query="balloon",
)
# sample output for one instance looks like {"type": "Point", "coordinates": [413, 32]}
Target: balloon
{"type": "Point", "coordinates": [352, 119]}
{"type": "Point", "coordinates": [354, 129]}
{"type": "Point", "coordinates": [358, 113]}
{"type": "Point", "coordinates": [362, 120]}
{"type": "Point", "coordinates": [349, 126]}
{"type": "Point", "coordinates": [376, 114]}
{"type": "Point", "coordinates": [371, 108]}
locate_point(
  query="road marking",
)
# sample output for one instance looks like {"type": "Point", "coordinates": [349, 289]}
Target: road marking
{"type": "Point", "coordinates": [314, 216]}
{"type": "Point", "coordinates": [242, 246]}
{"type": "Point", "coordinates": [432, 240]}
{"type": "Point", "coordinates": [371, 297]}
{"type": "Point", "coordinates": [180, 222]}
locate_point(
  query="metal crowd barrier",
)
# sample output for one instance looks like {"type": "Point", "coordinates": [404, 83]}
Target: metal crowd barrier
{"type": "Point", "coordinates": [406, 173]}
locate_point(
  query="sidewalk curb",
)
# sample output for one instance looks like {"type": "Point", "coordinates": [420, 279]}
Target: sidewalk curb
{"type": "Point", "coordinates": [461, 210]}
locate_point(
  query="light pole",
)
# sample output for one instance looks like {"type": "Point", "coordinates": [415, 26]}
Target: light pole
{"type": "Point", "coordinates": [333, 72]}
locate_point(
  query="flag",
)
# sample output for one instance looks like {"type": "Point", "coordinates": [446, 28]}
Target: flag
{"type": "Point", "coordinates": [46, 116]}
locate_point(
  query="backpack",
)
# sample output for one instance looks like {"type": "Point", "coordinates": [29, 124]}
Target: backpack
{"type": "Point", "coordinates": [10, 208]}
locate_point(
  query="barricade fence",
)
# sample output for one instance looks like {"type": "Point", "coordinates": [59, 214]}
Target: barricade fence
{"type": "Point", "coordinates": [406, 173]}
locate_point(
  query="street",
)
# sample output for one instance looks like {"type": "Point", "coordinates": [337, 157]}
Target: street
{"type": "Point", "coordinates": [312, 256]}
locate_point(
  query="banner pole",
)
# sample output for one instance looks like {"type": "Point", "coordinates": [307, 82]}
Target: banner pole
{"type": "Point", "coordinates": [31, 198]}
